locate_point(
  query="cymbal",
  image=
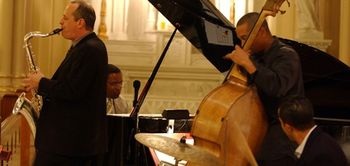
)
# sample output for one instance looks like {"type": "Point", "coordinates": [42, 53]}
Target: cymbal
{"type": "Point", "coordinates": [181, 151]}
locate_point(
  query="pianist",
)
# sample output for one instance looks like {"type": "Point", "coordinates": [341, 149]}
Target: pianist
{"type": "Point", "coordinates": [115, 103]}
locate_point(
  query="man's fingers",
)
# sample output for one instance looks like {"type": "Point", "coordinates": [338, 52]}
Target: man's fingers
{"type": "Point", "coordinates": [26, 84]}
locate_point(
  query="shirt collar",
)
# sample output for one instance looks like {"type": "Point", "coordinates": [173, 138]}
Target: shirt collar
{"type": "Point", "coordinates": [74, 43]}
{"type": "Point", "coordinates": [299, 150]}
{"type": "Point", "coordinates": [264, 54]}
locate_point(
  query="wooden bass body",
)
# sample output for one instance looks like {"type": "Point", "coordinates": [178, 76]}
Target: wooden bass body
{"type": "Point", "coordinates": [230, 123]}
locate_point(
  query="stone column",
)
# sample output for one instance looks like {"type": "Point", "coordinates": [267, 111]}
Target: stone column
{"type": "Point", "coordinates": [102, 28]}
{"type": "Point", "coordinates": [151, 24]}
{"type": "Point", "coordinates": [134, 20]}
{"type": "Point", "coordinates": [22, 22]}
{"type": "Point", "coordinates": [308, 26]}
{"type": "Point", "coordinates": [344, 49]}
{"type": "Point", "coordinates": [6, 31]}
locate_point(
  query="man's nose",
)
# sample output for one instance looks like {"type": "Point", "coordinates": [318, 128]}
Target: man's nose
{"type": "Point", "coordinates": [61, 21]}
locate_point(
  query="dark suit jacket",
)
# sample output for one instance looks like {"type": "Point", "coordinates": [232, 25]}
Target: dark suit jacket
{"type": "Point", "coordinates": [73, 117]}
{"type": "Point", "coordinates": [321, 150]}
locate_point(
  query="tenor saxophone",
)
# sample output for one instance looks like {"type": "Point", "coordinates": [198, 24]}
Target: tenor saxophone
{"type": "Point", "coordinates": [30, 108]}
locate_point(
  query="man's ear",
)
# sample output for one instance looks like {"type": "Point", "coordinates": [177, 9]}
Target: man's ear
{"type": "Point", "coordinates": [288, 127]}
{"type": "Point", "coordinates": [281, 121]}
{"type": "Point", "coordinates": [81, 23]}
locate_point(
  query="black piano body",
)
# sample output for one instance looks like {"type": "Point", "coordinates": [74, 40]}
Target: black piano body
{"type": "Point", "coordinates": [121, 142]}
{"type": "Point", "coordinates": [326, 82]}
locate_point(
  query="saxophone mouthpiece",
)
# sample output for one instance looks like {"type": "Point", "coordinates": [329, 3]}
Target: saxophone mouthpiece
{"type": "Point", "coordinates": [56, 31]}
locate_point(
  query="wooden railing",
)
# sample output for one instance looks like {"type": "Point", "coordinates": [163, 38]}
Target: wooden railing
{"type": "Point", "coordinates": [15, 135]}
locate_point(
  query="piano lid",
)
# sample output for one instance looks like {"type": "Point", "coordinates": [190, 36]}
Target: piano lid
{"type": "Point", "coordinates": [204, 26]}
{"type": "Point", "coordinates": [326, 79]}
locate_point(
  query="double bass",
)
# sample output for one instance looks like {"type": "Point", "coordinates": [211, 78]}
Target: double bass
{"type": "Point", "coordinates": [230, 121]}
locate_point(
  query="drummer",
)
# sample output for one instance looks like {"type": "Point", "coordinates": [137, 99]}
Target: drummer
{"type": "Point", "coordinates": [116, 104]}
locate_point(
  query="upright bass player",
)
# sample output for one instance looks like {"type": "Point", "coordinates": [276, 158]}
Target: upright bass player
{"type": "Point", "coordinates": [275, 69]}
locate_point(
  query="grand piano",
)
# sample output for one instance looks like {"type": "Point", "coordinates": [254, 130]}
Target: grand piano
{"type": "Point", "coordinates": [326, 79]}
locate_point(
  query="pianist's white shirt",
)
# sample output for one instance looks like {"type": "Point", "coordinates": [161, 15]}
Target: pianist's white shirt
{"type": "Point", "coordinates": [117, 106]}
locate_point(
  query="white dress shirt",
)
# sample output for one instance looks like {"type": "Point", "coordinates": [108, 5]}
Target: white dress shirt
{"type": "Point", "coordinates": [299, 150]}
{"type": "Point", "coordinates": [117, 106]}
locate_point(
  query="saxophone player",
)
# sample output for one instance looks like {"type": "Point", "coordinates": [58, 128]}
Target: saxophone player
{"type": "Point", "coordinates": [71, 129]}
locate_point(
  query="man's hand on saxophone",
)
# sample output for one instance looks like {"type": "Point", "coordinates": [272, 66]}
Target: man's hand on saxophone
{"type": "Point", "coordinates": [32, 81]}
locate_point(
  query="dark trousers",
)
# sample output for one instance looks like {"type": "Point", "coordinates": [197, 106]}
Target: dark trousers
{"type": "Point", "coordinates": [50, 159]}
